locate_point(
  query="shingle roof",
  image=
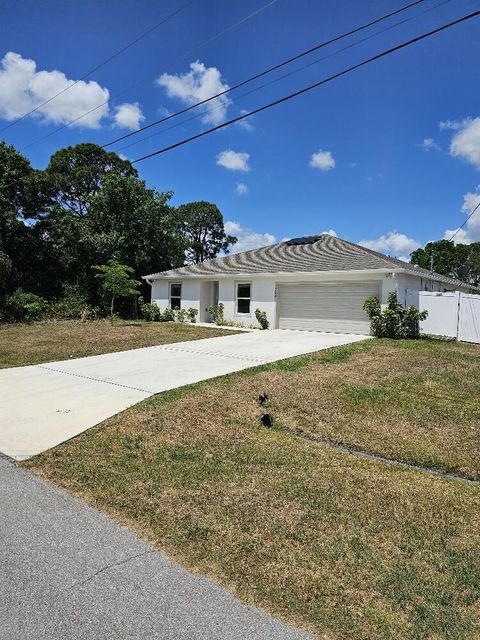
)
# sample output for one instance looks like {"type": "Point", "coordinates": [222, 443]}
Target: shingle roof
{"type": "Point", "coordinates": [327, 253]}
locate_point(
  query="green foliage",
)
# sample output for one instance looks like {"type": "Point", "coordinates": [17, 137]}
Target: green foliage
{"type": "Point", "coordinates": [202, 225]}
{"type": "Point", "coordinates": [77, 174]}
{"type": "Point", "coordinates": [150, 312]}
{"type": "Point", "coordinates": [23, 306]}
{"type": "Point", "coordinates": [181, 315]}
{"type": "Point", "coordinates": [168, 315]}
{"type": "Point", "coordinates": [217, 313]}
{"type": "Point", "coordinates": [262, 319]}
{"type": "Point", "coordinates": [394, 321]}
{"type": "Point", "coordinates": [71, 308]}
{"type": "Point", "coordinates": [117, 281]}
{"type": "Point", "coordinates": [87, 207]}
{"type": "Point", "coordinates": [192, 314]}
{"type": "Point", "coordinates": [460, 261]}
{"type": "Point", "coordinates": [5, 272]}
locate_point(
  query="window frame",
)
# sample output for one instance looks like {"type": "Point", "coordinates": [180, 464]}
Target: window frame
{"type": "Point", "coordinates": [170, 297]}
{"type": "Point", "coordinates": [238, 284]}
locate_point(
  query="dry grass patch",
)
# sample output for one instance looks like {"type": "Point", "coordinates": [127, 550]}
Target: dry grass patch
{"type": "Point", "coordinates": [23, 344]}
{"type": "Point", "coordinates": [344, 547]}
{"type": "Point", "coordinates": [415, 401]}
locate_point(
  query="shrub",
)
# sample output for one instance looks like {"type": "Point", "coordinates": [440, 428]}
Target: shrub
{"type": "Point", "coordinates": [394, 321]}
{"type": "Point", "coordinates": [23, 306]}
{"type": "Point", "coordinates": [150, 312]}
{"type": "Point", "coordinates": [168, 315]}
{"type": "Point", "coordinates": [71, 308]}
{"type": "Point", "coordinates": [181, 315]}
{"type": "Point", "coordinates": [262, 320]}
{"type": "Point", "coordinates": [192, 314]}
{"type": "Point", "coordinates": [217, 313]}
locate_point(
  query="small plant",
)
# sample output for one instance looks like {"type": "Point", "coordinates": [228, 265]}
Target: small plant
{"type": "Point", "coordinates": [116, 281]}
{"type": "Point", "coordinates": [181, 315]}
{"type": "Point", "coordinates": [168, 315]}
{"type": "Point", "coordinates": [394, 321]}
{"type": "Point", "coordinates": [262, 319]}
{"type": "Point", "coordinates": [217, 313]}
{"type": "Point", "coordinates": [192, 314]}
{"type": "Point", "coordinates": [150, 312]}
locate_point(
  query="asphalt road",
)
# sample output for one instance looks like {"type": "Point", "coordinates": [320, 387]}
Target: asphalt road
{"type": "Point", "coordinates": [68, 572]}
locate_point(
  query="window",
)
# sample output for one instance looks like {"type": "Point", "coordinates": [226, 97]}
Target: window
{"type": "Point", "coordinates": [175, 296]}
{"type": "Point", "coordinates": [243, 297]}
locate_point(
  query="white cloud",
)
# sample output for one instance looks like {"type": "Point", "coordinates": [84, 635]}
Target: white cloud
{"type": "Point", "coordinates": [129, 115]}
{"type": "Point", "coordinates": [450, 124]}
{"type": "Point", "coordinates": [241, 188]}
{"type": "Point", "coordinates": [247, 239]}
{"type": "Point", "coordinates": [246, 122]}
{"type": "Point", "coordinates": [429, 144]}
{"type": "Point", "coordinates": [22, 88]}
{"type": "Point", "coordinates": [392, 243]}
{"type": "Point", "coordinates": [331, 232]}
{"type": "Point", "coordinates": [198, 84]}
{"type": "Point", "coordinates": [233, 160]}
{"type": "Point", "coordinates": [466, 141]}
{"type": "Point", "coordinates": [471, 231]}
{"type": "Point", "coordinates": [322, 160]}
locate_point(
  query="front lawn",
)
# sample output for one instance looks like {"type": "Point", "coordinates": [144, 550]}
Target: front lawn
{"type": "Point", "coordinates": [22, 344]}
{"type": "Point", "coordinates": [345, 547]}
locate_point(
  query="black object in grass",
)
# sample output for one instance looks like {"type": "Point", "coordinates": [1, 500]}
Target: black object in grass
{"type": "Point", "coordinates": [262, 398]}
{"type": "Point", "coordinates": [266, 419]}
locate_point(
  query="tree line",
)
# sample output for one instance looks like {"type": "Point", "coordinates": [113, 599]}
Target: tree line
{"type": "Point", "coordinates": [87, 208]}
{"type": "Point", "coordinates": [460, 261]}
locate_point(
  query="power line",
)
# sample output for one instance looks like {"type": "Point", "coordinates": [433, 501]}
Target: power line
{"type": "Point", "coordinates": [312, 86]}
{"type": "Point", "coordinates": [466, 220]}
{"type": "Point", "coordinates": [201, 45]}
{"type": "Point", "coordinates": [101, 64]}
{"type": "Point", "coordinates": [286, 75]}
{"type": "Point", "coordinates": [266, 71]}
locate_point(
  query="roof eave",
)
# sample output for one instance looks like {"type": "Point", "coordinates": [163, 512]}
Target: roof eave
{"type": "Point", "coordinates": [266, 274]}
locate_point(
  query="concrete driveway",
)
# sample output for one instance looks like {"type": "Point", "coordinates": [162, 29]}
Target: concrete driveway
{"type": "Point", "coordinates": [44, 405]}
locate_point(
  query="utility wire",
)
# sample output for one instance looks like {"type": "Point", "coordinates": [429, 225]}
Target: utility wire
{"type": "Point", "coordinates": [312, 86]}
{"type": "Point", "coordinates": [285, 75]}
{"type": "Point", "coordinates": [101, 64]}
{"type": "Point", "coordinates": [466, 220]}
{"type": "Point", "coordinates": [201, 45]}
{"type": "Point", "coordinates": [265, 72]}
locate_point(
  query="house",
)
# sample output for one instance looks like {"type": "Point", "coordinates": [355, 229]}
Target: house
{"type": "Point", "coordinates": [315, 283]}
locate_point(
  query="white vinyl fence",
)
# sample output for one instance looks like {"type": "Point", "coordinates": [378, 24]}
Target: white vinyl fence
{"type": "Point", "coordinates": [452, 314]}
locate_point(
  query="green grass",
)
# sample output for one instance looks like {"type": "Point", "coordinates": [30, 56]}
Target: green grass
{"type": "Point", "coordinates": [24, 344]}
{"type": "Point", "coordinates": [344, 547]}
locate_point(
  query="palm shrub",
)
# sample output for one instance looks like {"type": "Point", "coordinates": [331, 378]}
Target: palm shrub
{"type": "Point", "coordinates": [393, 321]}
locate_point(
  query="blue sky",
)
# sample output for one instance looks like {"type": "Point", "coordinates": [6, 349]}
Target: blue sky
{"type": "Point", "coordinates": [388, 155]}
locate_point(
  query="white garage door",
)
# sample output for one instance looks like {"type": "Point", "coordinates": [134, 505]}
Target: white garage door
{"type": "Point", "coordinates": [325, 307]}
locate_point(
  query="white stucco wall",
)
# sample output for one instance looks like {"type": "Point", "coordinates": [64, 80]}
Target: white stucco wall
{"type": "Point", "coordinates": [190, 293]}
{"type": "Point", "coordinates": [198, 292]}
